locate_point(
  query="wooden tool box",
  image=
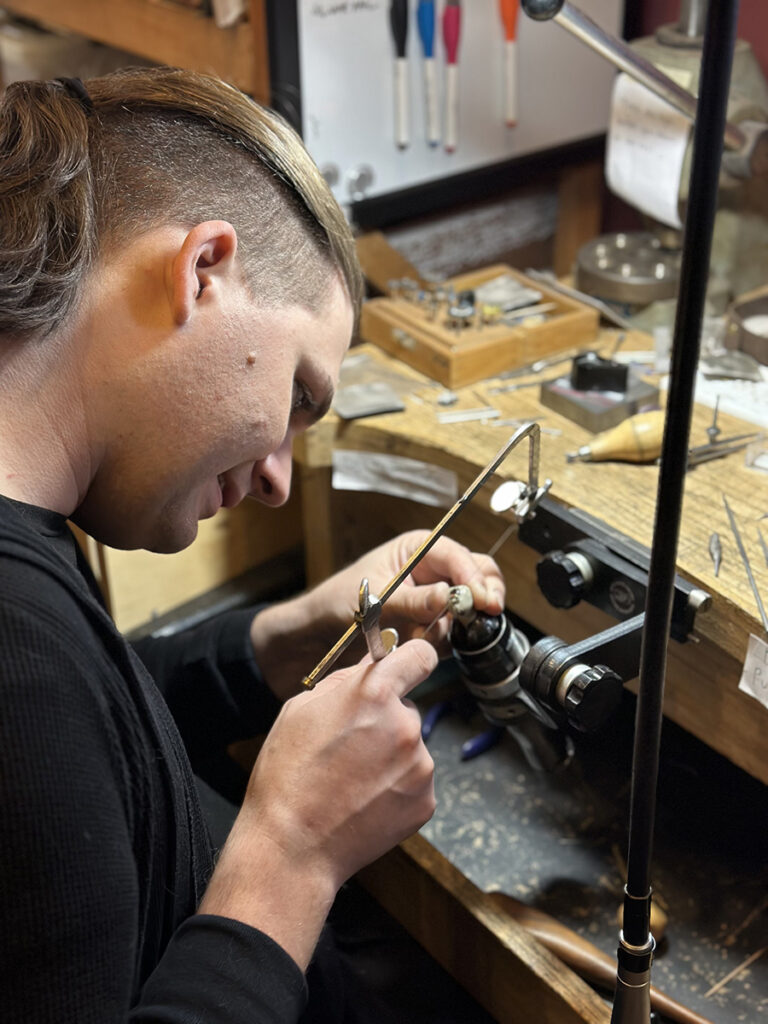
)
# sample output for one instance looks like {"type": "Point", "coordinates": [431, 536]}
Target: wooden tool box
{"type": "Point", "coordinates": [456, 358]}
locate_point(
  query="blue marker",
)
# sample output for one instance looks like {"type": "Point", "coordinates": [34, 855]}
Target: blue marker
{"type": "Point", "coordinates": [425, 17]}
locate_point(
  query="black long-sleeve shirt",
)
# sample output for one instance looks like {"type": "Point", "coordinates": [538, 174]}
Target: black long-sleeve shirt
{"type": "Point", "coordinates": [104, 854]}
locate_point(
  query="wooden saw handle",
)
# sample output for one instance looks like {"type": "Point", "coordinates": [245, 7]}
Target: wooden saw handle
{"type": "Point", "coordinates": [580, 954]}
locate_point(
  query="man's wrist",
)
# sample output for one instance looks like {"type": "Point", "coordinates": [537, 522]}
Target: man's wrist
{"type": "Point", "coordinates": [271, 889]}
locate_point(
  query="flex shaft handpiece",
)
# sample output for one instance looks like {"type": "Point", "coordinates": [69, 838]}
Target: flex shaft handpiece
{"type": "Point", "coordinates": [637, 439]}
{"type": "Point", "coordinates": [525, 505]}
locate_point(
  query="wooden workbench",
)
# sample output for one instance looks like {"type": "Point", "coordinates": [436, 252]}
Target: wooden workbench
{"type": "Point", "coordinates": [443, 908]}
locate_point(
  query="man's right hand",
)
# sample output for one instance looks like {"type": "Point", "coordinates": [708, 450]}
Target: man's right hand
{"type": "Point", "coordinates": [342, 777]}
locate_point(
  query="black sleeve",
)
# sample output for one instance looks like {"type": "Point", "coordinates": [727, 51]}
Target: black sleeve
{"type": "Point", "coordinates": [211, 682]}
{"type": "Point", "coordinates": [70, 897]}
{"type": "Point", "coordinates": [213, 972]}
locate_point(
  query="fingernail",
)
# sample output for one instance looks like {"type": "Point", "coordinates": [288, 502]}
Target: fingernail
{"type": "Point", "coordinates": [438, 598]}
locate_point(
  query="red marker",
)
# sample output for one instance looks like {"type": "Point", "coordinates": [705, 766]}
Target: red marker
{"type": "Point", "coordinates": [451, 30]}
{"type": "Point", "coordinates": [509, 10]}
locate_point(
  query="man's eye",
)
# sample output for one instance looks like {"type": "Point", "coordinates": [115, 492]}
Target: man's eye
{"type": "Point", "coordinates": [302, 398]}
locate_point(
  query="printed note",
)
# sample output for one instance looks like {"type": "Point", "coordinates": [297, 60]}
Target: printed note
{"type": "Point", "coordinates": [647, 140]}
{"type": "Point", "coordinates": [754, 675]}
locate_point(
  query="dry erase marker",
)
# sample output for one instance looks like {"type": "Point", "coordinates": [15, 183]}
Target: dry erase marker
{"type": "Point", "coordinates": [509, 12]}
{"type": "Point", "coordinates": [451, 30]}
{"type": "Point", "coordinates": [425, 19]}
{"type": "Point", "coordinates": [398, 19]}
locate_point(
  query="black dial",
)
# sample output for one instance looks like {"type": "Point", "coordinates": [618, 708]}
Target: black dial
{"type": "Point", "coordinates": [592, 698]}
{"type": "Point", "coordinates": [561, 579]}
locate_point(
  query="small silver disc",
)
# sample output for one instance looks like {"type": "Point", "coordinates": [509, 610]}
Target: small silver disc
{"type": "Point", "coordinates": [506, 495]}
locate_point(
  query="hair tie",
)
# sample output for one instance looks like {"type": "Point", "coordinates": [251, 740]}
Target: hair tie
{"type": "Point", "coordinates": [76, 89]}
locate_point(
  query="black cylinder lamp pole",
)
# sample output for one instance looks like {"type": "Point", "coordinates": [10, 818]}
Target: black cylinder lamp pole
{"type": "Point", "coordinates": [632, 999]}
{"type": "Point", "coordinates": [632, 1003]}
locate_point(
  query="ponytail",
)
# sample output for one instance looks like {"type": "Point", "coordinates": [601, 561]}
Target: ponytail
{"type": "Point", "coordinates": [47, 235]}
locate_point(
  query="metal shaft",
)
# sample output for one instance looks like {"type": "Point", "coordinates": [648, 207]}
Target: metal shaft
{"type": "Point", "coordinates": [642, 70]}
{"type": "Point", "coordinates": [745, 560]}
{"type": "Point", "coordinates": [344, 641]}
{"type": "Point", "coordinates": [692, 18]}
{"type": "Point", "coordinates": [717, 58]}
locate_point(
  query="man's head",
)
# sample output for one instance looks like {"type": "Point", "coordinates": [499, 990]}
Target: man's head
{"type": "Point", "coordinates": [182, 240]}
{"type": "Point", "coordinates": [160, 146]}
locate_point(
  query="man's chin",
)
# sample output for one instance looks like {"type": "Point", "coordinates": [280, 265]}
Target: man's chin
{"type": "Point", "coordinates": [161, 537]}
{"type": "Point", "coordinates": [172, 535]}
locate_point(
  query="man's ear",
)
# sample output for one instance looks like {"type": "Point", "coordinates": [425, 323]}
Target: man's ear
{"type": "Point", "coordinates": [207, 252]}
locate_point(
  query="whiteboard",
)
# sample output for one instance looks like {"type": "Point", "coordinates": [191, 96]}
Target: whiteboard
{"type": "Point", "coordinates": [346, 62]}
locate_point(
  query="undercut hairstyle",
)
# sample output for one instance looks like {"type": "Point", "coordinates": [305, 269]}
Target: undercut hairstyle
{"type": "Point", "coordinates": [157, 146]}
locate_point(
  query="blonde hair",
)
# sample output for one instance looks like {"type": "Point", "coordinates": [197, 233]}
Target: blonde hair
{"type": "Point", "coordinates": [160, 145]}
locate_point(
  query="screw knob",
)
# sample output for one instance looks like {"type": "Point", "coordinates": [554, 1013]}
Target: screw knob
{"type": "Point", "coordinates": [592, 697]}
{"type": "Point", "coordinates": [562, 579]}
{"type": "Point", "coordinates": [542, 10]}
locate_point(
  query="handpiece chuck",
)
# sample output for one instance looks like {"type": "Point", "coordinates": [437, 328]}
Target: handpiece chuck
{"type": "Point", "coordinates": [583, 454]}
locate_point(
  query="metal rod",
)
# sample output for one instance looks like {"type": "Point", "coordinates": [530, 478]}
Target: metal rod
{"type": "Point", "coordinates": [626, 59]}
{"type": "Point", "coordinates": [527, 429]}
{"type": "Point", "coordinates": [545, 277]}
{"type": "Point", "coordinates": [763, 544]}
{"type": "Point", "coordinates": [745, 560]}
{"type": "Point", "coordinates": [723, 442]}
{"type": "Point", "coordinates": [717, 58]}
{"type": "Point", "coordinates": [693, 15]}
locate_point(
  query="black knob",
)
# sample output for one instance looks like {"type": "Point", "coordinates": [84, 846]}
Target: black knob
{"type": "Point", "coordinates": [561, 579]}
{"type": "Point", "coordinates": [540, 671]}
{"type": "Point", "coordinates": [592, 697]}
{"type": "Point", "coordinates": [542, 10]}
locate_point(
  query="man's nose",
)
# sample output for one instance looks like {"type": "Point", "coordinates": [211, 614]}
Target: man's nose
{"type": "Point", "coordinates": [271, 480]}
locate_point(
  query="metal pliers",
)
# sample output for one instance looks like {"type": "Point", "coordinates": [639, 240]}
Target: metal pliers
{"type": "Point", "coordinates": [380, 642]}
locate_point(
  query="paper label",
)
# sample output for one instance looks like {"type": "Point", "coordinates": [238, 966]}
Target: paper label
{"type": "Point", "coordinates": [647, 139]}
{"type": "Point", "coordinates": [754, 675]}
{"type": "Point", "coordinates": [396, 475]}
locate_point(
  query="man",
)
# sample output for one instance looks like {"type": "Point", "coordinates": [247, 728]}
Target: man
{"type": "Point", "coordinates": [177, 292]}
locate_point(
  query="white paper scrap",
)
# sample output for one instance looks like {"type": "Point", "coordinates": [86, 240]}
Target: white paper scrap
{"type": "Point", "coordinates": [647, 139]}
{"type": "Point", "coordinates": [746, 399]}
{"type": "Point", "coordinates": [754, 675]}
{"type": "Point", "coordinates": [396, 475]}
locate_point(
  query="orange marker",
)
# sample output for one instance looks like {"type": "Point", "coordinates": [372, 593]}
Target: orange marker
{"type": "Point", "coordinates": [509, 11]}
